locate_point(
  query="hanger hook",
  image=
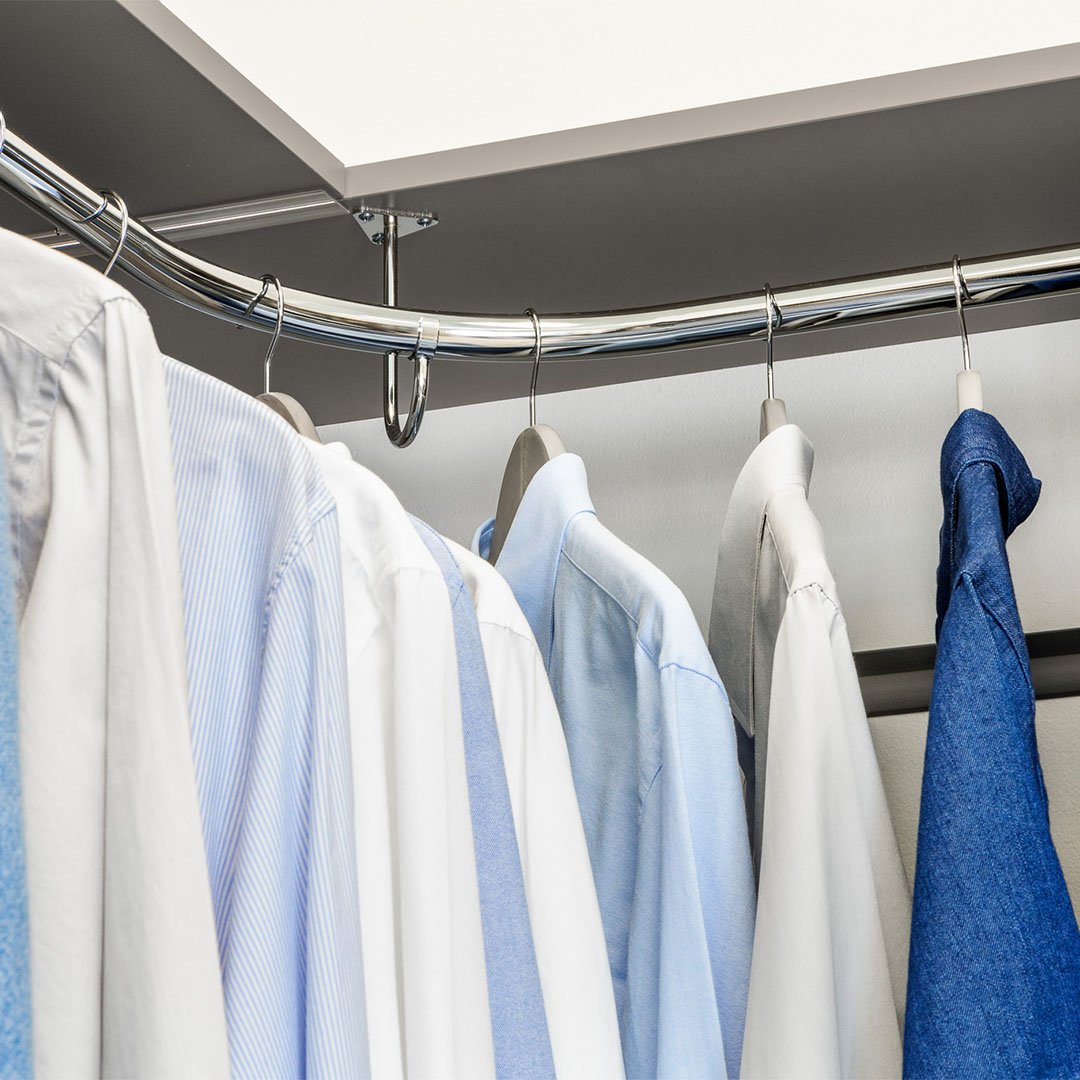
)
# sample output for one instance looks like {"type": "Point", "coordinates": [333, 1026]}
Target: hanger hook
{"type": "Point", "coordinates": [537, 351]}
{"type": "Point", "coordinates": [268, 280]}
{"type": "Point", "coordinates": [960, 290]}
{"type": "Point", "coordinates": [774, 318]}
{"type": "Point", "coordinates": [427, 343]}
{"type": "Point", "coordinates": [106, 196]}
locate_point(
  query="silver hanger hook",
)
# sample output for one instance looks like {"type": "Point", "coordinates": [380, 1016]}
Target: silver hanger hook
{"type": "Point", "coordinates": [537, 351]}
{"type": "Point", "coordinates": [267, 281]}
{"type": "Point", "coordinates": [960, 290]}
{"type": "Point", "coordinates": [774, 318]}
{"type": "Point", "coordinates": [124, 218]}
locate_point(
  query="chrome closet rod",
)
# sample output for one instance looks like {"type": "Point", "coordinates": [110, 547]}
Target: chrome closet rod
{"type": "Point", "coordinates": [372, 327]}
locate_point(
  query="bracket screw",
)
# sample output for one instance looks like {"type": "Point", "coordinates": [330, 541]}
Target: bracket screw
{"type": "Point", "coordinates": [377, 238]}
{"type": "Point", "coordinates": [424, 222]}
{"type": "Point", "coordinates": [364, 215]}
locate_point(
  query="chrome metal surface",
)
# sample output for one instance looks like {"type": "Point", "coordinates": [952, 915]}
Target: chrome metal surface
{"type": "Point", "coordinates": [219, 220]}
{"type": "Point", "coordinates": [125, 220]}
{"type": "Point", "coordinates": [773, 315]}
{"type": "Point", "coordinates": [402, 434]}
{"type": "Point", "coordinates": [960, 292]}
{"type": "Point", "coordinates": [536, 365]}
{"type": "Point", "coordinates": [267, 280]}
{"type": "Point", "coordinates": [371, 327]}
{"type": "Point", "coordinates": [370, 219]}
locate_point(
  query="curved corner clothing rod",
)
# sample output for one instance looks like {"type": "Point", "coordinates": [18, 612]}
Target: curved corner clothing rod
{"type": "Point", "coordinates": [78, 210]}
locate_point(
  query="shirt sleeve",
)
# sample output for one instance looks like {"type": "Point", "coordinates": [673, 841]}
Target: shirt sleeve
{"type": "Point", "coordinates": [716, 814]}
{"type": "Point", "coordinates": [830, 952]}
{"type": "Point", "coordinates": [307, 838]}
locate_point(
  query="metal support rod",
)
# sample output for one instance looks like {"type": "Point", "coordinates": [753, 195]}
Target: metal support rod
{"type": "Point", "coordinates": [224, 218]}
{"type": "Point", "coordinates": [389, 295]}
{"type": "Point", "coordinates": [371, 327]}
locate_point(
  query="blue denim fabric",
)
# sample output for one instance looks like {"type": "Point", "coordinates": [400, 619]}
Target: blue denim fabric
{"type": "Point", "coordinates": [15, 1035]}
{"type": "Point", "coordinates": [994, 975]}
{"type": "Point", "coordinates": [518, 1020]}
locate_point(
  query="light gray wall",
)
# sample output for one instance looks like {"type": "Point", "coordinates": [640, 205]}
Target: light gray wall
{"type": "Point", "coordinates": [662, 458]}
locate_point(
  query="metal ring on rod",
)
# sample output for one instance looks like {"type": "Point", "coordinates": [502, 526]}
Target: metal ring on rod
{"type": "Point", "coordinates": [124, 219]}
{"type": "Point", "coordinates": [536, 365]}
{"type": "Point", "coordinates": [427, 342]}
{"type": "Point", "coordinates": [960, 290]}
{"type": "Point", "coordinates": [773, 315]}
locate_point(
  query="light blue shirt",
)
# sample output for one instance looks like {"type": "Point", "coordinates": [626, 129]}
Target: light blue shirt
{"type": "Point", "coordinates": [518, 1021]}
{"type": "Point", "coordinates": [652, 748]}
{"type": "Point", "coordinates": [16, 1043]}
{"type": "Point", "coordinates": [260, 559]}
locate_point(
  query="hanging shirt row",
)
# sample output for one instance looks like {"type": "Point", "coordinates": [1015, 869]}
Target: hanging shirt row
{"type": "Point", "coordinates": [293, 786]}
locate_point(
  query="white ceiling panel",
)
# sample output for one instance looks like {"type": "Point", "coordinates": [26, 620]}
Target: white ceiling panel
{"type": "Point", "coordinates": [424, 76]}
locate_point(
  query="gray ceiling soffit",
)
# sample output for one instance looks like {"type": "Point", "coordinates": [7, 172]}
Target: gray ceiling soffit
{"type": "Point", "coordinates": [838, 198]}
{"type": "Point", "coordinates": [714, 121]}
{"type": "Point", "coordinates": [186, 43]}
{"type": "Point", "coordinates": [90, 86]}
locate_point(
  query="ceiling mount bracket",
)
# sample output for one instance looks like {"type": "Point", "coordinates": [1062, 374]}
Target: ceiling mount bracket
{"type": "Point", "coordinates": [372, 219]}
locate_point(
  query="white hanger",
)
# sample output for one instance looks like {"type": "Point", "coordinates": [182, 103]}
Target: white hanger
{"type": "Point", "coordinates": [773, 410]}
{"type": "Point", "coordinates": [969, 393]}
{"type": "Point", "coordinates": [288, 408]}
{"type": "Point", "coordinates": [532, 450]}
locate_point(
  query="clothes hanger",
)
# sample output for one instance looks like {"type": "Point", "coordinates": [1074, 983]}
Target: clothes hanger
{"type": "Point", "coordinates": [288, 408]}
{"type": "Point", "coordinates": [969, 393]}
{"type": "Point", "coordinates": [773, 410]}
{"type": "Point", "coordinates": [532, 450]}
{"type": "Point", "coordinates": [106, 196]}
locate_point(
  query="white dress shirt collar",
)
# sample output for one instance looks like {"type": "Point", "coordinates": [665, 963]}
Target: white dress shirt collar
{"type": "Point", "coordinates": [782, 461]}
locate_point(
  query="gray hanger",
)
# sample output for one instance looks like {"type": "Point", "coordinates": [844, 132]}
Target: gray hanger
{"type": "Point", "coordinates": [288, 408]}
{"type": "Point", "coordinates": [532, 450]}
{"type": "Point", "coordinates": [773, 410]}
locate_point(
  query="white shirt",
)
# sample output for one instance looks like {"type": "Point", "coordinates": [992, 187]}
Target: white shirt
{"type": "Point", "coordinates": [829, 968]}
{"type": "Point", "coordinates": [565, 915]}
{"type": "Point", "coordinates": [123, 951]}
{"type": "Point", "coordinates": [424, 969]}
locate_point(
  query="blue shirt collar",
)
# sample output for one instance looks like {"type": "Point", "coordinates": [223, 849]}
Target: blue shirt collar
{"type": "Point", "coordinates": [978, 437]}
{"type": "Point", "coordinates": [971, 540]}
{"type": "Point", "coordinates": [529, 560]}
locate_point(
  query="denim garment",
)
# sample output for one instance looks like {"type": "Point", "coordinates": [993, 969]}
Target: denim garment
{"type": "Point", "coordinates": [16, 1051]}
{"type": "Point", "coordinates": [652, 750]}
{"type": "Point", "coordinates": [518, 1021]}
{"type": "Point", "coordinates": [994, 983]}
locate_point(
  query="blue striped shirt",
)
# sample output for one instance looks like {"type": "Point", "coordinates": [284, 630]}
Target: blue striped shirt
{"type": "Point", "coordinates": [269, 711]}
{"type": "Point", "coordinates": [518, 1020]}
